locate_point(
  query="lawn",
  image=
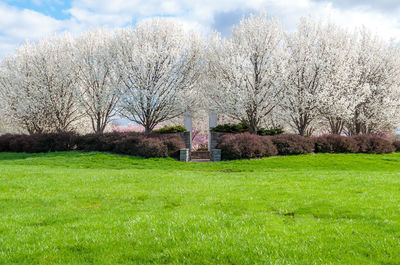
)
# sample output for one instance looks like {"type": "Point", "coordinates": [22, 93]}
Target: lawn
{"type": "Point", "coordinates": [94, 208]}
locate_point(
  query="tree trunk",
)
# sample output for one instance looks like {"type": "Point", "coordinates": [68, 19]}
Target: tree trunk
{"type": "Point", "coordinates": [336, 125]}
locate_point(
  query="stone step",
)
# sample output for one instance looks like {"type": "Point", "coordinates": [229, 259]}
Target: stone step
{"type": "Point", "coordinates": [200, 160]}
{"type": "Point", "coordinates": [200, 155]}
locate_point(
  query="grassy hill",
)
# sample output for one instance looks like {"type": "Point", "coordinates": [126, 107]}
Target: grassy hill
{"type": "Point", "coordinates": [94, 208]}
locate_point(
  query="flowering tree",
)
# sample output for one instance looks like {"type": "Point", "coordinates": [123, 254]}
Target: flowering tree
{"type": "Point", "coordinates": [317, 76]}
{"type": "Point", "coordinates": [38, 85]}
{"type": "Point", "coordinates": [335, 94]}
{"type": "Point", "coordinates": [244, 68]}
{"type": "Point", "coordinates": [160, 66]}
{"type": "Point", "coordinates": [305, 75]}
{"type": "Point", "coordinates": [21, 102]}
{"type": "Point", "coordinates": [96, 75]}
{"type": "Point", "coordinates": [375, 86]}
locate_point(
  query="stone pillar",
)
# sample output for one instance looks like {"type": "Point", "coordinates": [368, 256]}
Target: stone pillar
{"type": "Point", "coordinates": [184, 155]}
{"type": "Point", "coordinates": [215, 155]}
{"type": "Point", "coordinates": [187, 123]}
{"type": "Point", "coordinates": [212, 122]}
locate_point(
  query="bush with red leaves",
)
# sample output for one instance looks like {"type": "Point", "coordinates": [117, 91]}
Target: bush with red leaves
{"type": "Point", "coordinates": [373, 144]}
{"type": "Point", "coordinates": [396, 145]}
{"type": "Point", "coordinates": [156, 145]}
{"type": "Point", "coordinates": [37, 143]}
{"type": "Point", "coordinates": [292, 144]}
{"type": "Point", "coordinates": [245, 146]}
{"type": "Point", "coordinates": [333, 143]}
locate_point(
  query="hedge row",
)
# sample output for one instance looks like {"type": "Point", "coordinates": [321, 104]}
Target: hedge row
{"type": "Point", "coordinates": [245, 145]}
{"type": "Point", "coordinates": [242, 146]}
{"type": "Point", "coordinates": [154, 145]}
{"type": "Point", "coordinates": [233, 146]}
{"type": "Point", "coordinates": [242, 127]}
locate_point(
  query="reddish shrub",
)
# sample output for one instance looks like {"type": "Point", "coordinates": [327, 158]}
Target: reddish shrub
{"type": "Point", "coordinates": [333, 143]}
{"type": "Point", "coordinates": [151, 147]}
{"type": "Point", "coordinates": [396, 145]}
{"type": "Point", "coordinates": [18, 143]}
{"type": "Point", "coordinates": [99, 142]}
{"type": "Point", "coordinates": [269, 147]}
{"type": "Point", "coordinates": [292, 144]}
{"type": "Point", "coordinates": [173, 142]}
{"type": "Point", "coordinates": [37, 143]}
{"type": "Point", "coordinates": [245, 145]}
{"type": "Point", "coordinates": [138, 145]}
{"type": "Point", "coordinates": [54, 142]}
{"type": "Point", "coordinates": [373, 144]}
{"type": "Point", "coordinates": [156, 145]}
{"type": "Point", "coordinates": [127, 145]}
{"type": "Point", "coordinates": [5, 142]}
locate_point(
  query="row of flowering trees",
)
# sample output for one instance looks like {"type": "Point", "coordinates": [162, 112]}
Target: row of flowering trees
{"type": "Point", "coordinates": [148, 74]}
{"type": "Point", "coordinates": [317, 76]}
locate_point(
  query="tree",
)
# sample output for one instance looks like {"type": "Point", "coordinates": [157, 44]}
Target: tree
{"type": "Point", "coordinates": [243, 70]}
{"type": "Point", "coordinates": [337, 99]}
{"type": "Point", "coordinates": [24, 102]}
{"type": "Point", "coordinates": [95, 60]}
{"type": "Point", "coordinates": [375, 87]}
{"type": "Point", "coordinates": [38, 85]}
{"type": "Point", "coordinates": [160, 66]}
{"type": "Point", "coordinates": [305, 75]}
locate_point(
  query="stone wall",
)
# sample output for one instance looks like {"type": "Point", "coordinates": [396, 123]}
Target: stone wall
{"type": "Point", "coordinates": [187, 138]}
{"type": "Point", "coordinates": [214, 136]}
{"type": "Point", "coordinates": [184, 155]}
{"type": "Point", "coordinates": [215, 155]}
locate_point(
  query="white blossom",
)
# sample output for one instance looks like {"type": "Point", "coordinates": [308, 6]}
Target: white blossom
{"type": "Point", "coordinates": [95, 63]}
{"type": "Point", "coordinates": [244, 69]}
{"type": "Point", "coordinates": [160, 67]}
{"type": "Point", "coordinates": [38, 84]}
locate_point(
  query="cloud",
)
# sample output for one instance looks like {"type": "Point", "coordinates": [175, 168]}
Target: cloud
{"type": "Point", "coordinates": [18, 24]}
{"type": "Point", "coordinates": [25, 23]}
{"type": "Point", "coordinates": [381, 5]}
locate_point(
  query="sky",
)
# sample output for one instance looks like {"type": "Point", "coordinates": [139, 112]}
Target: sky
{"type": "Point", "coordinates": [22, 20]}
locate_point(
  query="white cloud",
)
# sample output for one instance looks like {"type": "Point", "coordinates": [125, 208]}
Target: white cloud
{"type": "Point", "coordinates": [17, 25]}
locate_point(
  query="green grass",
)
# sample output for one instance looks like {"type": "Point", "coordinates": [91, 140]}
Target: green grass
{"type": "Point", "coordinates": [94, 208]}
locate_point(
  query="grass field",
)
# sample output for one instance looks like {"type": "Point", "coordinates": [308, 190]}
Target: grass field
{"type": "Point", "coordinates": [93, 208]}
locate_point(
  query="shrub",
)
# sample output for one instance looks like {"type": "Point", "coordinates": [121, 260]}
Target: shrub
{"type": "Point", "coordinates": [174, 143]}
{"type": "Point", "coordinates": [55, 142]}
{"type": "Point", "coordinates": [127, 145]}
{"type": "Point", "coordinates": [37, 143]}
{"type": "Point", "coordinates": [151, 147]}
{"type": "Point", "coordinates": [154, 145]}
{"type": "Point", "coordinates": [99, 142]}
{"type": "Point", "coordinates": [396, 145]}
{"type": "Point", "coordinates": [292, 144]}
{"type": "Point", "coordinates": [373, 144]}
{"type": "Point", "coordinates": [245, 145]}
{"type": "Point", "coordinates": [333, 143]}
{"type": "Point", "coordinates": [242, 127]}
{"type": "Point", "coordinates": [170, 129]}
{"type": "Point", "coordinates": [18, 143]}
{"type": "Point", "coordinates": [5, 142]}
{"type": "Point", "coordinates": [230, 128]}
{"type": "Point", "coordinates": [139, 145]}
{"type": "Point", "coordinates": [271, 132]}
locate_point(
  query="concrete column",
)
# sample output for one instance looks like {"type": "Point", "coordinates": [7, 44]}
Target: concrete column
{"type": "Point", "coordinates": [184, 155]}
{"type": "Point", "coordinates": [187, 123]}
{"type": "Point", "coordinates": [212, 122]}
{"type": "Point", "coordinates": [215, 155]}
